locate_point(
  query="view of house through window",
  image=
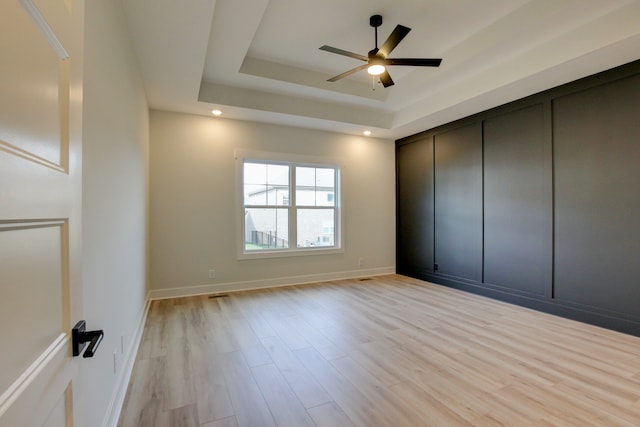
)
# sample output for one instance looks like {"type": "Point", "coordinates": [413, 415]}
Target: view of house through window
{"type": "Point", "coordinates": [289, 206]}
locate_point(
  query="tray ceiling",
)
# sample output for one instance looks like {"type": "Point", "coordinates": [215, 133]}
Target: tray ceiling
{"type": "Point", "coordinates": [259, 59]}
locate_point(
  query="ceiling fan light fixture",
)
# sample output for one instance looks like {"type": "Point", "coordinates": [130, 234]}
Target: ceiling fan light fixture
{"type": "Point", "coordinates": [376, 69]}
{"type": "Point", "coordinates": [377, 59]}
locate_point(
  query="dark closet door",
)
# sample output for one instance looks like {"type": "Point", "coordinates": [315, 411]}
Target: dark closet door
{"type": "Point", "coordinates": [458, 202]}
{"type": "Point", "coordinates": [597, 196]}
{"type": "Point", "coordinates": [518, 213]}
{"type": "Point", "coordinates": [415, 207]}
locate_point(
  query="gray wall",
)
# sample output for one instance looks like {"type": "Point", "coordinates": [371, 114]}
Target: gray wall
{"type": "Point", "coordinates": [534, 202]}
{"type": "Point", "coordinates": [115, 208]}
{"type": "Point", "coordinates": [196, 218]}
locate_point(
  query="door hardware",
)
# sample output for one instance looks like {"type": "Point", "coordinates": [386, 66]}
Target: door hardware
{"type": "Point", "coordinates": [80, 337]}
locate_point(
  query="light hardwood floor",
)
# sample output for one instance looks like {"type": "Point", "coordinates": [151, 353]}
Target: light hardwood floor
{"type": "Point", "coordinates": [390, 351]}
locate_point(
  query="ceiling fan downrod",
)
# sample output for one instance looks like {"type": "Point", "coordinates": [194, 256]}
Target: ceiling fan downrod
{"type": "Point", "coordinates": [375, 21]}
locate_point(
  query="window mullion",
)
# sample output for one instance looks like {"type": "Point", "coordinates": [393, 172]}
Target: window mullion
{"type": "Point", "coordinates": [337, 203]}
{"type": "Point", "coordinates": [293, 217]}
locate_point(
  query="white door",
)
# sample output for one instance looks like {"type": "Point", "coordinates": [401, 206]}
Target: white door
{"type": "Point", "coordinates": [41, 44]}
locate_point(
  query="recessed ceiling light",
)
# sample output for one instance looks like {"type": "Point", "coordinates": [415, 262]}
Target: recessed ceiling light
{"type": "Point", "coordinates": [367, 132]}
{"type": "Point", "coordinates": [216, 112]}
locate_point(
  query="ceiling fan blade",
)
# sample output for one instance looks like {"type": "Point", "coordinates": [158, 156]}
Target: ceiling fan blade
{"type": "Point", "coordinates": [344, 52]}
{"type": "Point", "coordinates": [386, 79]}
{"type": "Point", "coordinates": [348, 73]}
{"type": "Point", "coordinates": [394, 38]}
{"type": "Point", "coordinates": [417, 62]}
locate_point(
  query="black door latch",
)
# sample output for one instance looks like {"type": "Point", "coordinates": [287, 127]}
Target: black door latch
{"type": "Point", "coordinates": [80, 337]}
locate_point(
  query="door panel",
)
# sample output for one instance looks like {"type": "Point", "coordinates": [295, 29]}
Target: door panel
{"type": "Point", "coordinates": [40, 206]}
{"type": "Point", "coordinates": [458, 202]}
{"type": "Point", "coordinates": [34, 84]}
{"type": "Point", "coordinates": [30, 261]}
{"type": "Point", "coordinates": [60, 414]}
{"type": "Point", "coordinates": [596, 158]}
{"type": "Point", "coordinates": [415, 207]}
{"type": "Point", "coordinates": [518, 212]}
{"type": "Point", "coordinates": [42, 388]}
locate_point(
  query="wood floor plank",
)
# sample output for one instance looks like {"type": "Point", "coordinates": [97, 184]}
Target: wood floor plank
{"type": "Point", "coordinates": [282, 401]}
{"type": "Point", "coordinates": [392, 409]}
{"type": "Point", "coordinates": [329, 415]}
{"type": "Point", "coordinates": [178, 381]}
{"type": "Point", "coordinates": [320, 342]}
{"type": "Point", "coordinates": [256, 355]}
{"type": "Point", "coordinates": [355, 404]}
{"type": "Point", "coordinates": [152, 344]}
{"type": "Point", "coordinates": [251, 310]}
{"type": "Point", "coordinates": [249, 405]}
{"type": "Point", "coordinates": [186, 416]}
{"type": "Point", "coordinates": [431, 411]}
{"type": "Point", "coordinates": [212, 394]}
{"type": "Point", "coordinates": [143, 402]}
{"type": "Point", "coordinates": [464, 397]}
{"type": "Point", "coordinates": [390, 351]}
{"type": "Point", "coordinates": [552, 405]}
{"type": "Point", "coordinates": [284, 329]}
{"type": "Point", "coordinates": [601, 401]}
{"type": "Point", "coordinates": [225, 422]}
{"type": "Point", "coordinates": [383, 363]}
{"type": "Point", "coordinates": [218, 330]}
{"type": "Point", "coordinates": [307, 389]}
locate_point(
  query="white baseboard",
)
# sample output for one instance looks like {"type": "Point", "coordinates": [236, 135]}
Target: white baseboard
{"type": "Point", "coordinates": [117, 399]}
{"type": "Point", "coordinates": [266, 283]}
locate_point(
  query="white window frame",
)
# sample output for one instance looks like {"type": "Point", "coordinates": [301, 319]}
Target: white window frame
{"type": "Point", "coordinates": [242, 156]}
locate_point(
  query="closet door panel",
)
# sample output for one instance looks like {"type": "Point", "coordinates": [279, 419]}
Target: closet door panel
{"type": "Point", "coordinates": [518, 223]}
{"type": "Point", "coordinates": [458, 203]}
{"type": "Point", "coordinates": [415, 207]}
{"type": "Point", "coordinates": [597, 202]}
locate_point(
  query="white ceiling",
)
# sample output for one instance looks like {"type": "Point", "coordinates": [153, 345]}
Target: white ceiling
{"type": "Point", "coordinates": [259, 59]}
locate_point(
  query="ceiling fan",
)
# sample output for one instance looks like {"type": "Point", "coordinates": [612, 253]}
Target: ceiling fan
{"type": "Point", "coordinates": [377, 60]}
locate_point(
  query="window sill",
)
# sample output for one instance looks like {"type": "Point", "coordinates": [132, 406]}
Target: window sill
{"type": "Point", "coordinates": [286, 253]}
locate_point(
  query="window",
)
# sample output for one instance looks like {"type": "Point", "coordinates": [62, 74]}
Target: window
{"type": "Point", "coordinates": [289, 207]}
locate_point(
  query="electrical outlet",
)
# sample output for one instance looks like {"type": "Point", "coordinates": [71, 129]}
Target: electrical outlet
{"type": "Point", "coordinates": [360, 262]}
{"type": "Point", "coordinates": [212, 273]}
